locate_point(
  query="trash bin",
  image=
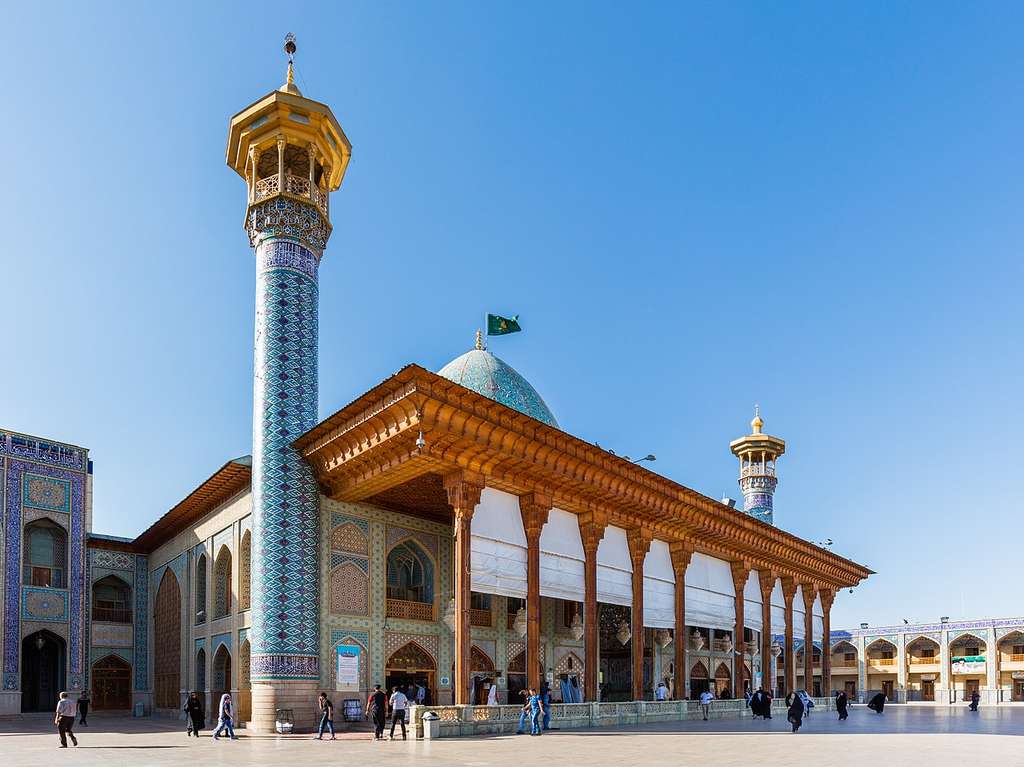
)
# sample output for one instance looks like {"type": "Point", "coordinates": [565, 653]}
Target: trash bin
{"type": "Point", "coordinates": [284, 721]}
{"type": "Point", "coordinates": [140, 710]}
{"type": "Point", "coordinates": [431, 725]}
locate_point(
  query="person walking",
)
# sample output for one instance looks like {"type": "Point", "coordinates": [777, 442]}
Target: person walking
{"type": "Point", "coordinates": [225, 714]}
{"type": "Point", "coordinates": [83, 707]}
{"type": "Point", "coordinates": [975, 700]}
{"type": "Point", "coordinates": [326, 716]}
{"type": "Point", "coordinates": [194, 714]}
{"type": "Point", "coordinates": [523, 712]}
{"type": "Point", "coordinates": [376, 710]}
{"type": "Point", "coordinates": [795, 714]}
{"type": "Point", "coordinates": [841, 703]}
{"type": "Point", "coordinates": [535, 708]}
{"type": "Point", "coordinates": [65, 720]}
{"type": "Point", "coordinates": [705, 703]}
{"type": "Point", "coordinates": [545, 704]}
{"type": "Point", "coordinates": [398, 702]}
{"type": "Point", "coordinates": [877, 702]}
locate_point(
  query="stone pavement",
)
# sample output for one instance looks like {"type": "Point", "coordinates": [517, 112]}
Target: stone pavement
{"type": "Point", "coordinates": [903, 735]}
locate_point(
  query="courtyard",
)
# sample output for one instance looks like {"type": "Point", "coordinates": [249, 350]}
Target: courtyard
{"type": "Point", "coordinates": [908, 735]}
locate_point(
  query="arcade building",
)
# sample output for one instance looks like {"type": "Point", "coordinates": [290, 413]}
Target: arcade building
{"type": "Point", "coordinates": [439, 529]}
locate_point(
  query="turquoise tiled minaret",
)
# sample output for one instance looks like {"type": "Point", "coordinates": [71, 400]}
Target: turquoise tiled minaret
{"type": "Point", "coordinates": [292, 154]}
{"type": "Point", "coordinates": [758, 454]}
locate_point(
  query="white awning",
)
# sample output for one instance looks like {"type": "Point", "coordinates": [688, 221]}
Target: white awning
{"type": "Point", "coordinates": [710, 597]}
{"type": "Point", "coordinates": [752, 601]}
{"type": "Point", "coordinates": [562, 557]}
{"type": "Point", "coordinates": [659, 587]}
{"type": "Point", "coordinates": [614, 568]}
{"type": "Point", "coordinates": [498, 546]}
{"type": "Point", "coordinates": [817, 619]}
{"type": "Point", "coordinates": [798, 614]}
{"type": "Point", "coordinates": [778, 601]}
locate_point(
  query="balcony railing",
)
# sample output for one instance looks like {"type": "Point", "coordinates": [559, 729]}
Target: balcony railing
{"type": "Point", "coordinates": [757, 469]}
{"type": "Point", "coordinates": [480, 618]}
{"type": "Point", "coordinates": [413, 611]}
{"type": "Point", "coordinates": [882, 661]}
{"type": "Point", "coordinates": [843, 663]}
{"type": "Point", "coordinates": [1016, 657]}
{"type": "Point", "coordinates": [932, 661]}
{"type": "Point", "coordinates": [112, 615]}
{"type": "Point", "coordinates": [293, 185]}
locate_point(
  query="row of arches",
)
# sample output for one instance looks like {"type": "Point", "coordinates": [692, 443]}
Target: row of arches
{"type": "Point", "coordinates": [221, 604]}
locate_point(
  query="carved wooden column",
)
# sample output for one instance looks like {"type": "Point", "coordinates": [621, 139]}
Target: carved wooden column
{"type": "Point", "coordinates": [534, 509]}
{"type": "Point", "coordinates": [827, 597]}
{"type": "Point", "coordinates": [740, 573]}
{"type": "Point", "coordinates": [463, 496]}
{"type": "Point", "coordinates": [768, 675]}
{"type": "Point", "coordinates": [591, 533]}
{"type": "Point", "coordinates": [788, 593]}
{"type": "Point", "coordinates": [810, 592]}
{"type": "Point", "coordinates": [681, 554]}
{"type": "Point", "coordinates": [639, 541]}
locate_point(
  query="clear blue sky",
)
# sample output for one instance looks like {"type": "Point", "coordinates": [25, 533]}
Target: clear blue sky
{"type": "Point", "coordinates": [693, 208]}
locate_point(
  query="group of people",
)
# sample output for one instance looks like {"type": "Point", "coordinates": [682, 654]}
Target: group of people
{"type": "Point", "coordinates": [195, 716]}
{"type": "Point", "coordinates": [536, 706]}
{"type": "Point", "coordinates": [378, 703]}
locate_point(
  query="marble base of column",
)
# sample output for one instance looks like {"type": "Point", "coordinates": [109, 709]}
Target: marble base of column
{"type": "Point", "coordinates": [267, 697]}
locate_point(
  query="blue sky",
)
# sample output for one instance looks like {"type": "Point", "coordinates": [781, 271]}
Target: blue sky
{"type": "Point", "coordinates": [692, 207]}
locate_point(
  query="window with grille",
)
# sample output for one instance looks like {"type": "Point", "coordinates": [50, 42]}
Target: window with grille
{"type": "Point", "coordinates": [201, 590]}
{"type": "Point", "coordinates": [111, 600]}
{"type": "Point", "coordinates": [45, 555]}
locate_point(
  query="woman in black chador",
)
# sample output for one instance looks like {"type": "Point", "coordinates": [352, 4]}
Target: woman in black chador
{"type": "Point", "coordinates": [841, 705]}
{"type": "Point", "coordinates": [194, 713]}
{"type": "Point", "coordinates": [795, 715]}
{"type": "Point", "coordinates": [877, 703]}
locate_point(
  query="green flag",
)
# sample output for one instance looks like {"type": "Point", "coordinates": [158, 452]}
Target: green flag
{"type": "Point", "coordinates": [499, 326]}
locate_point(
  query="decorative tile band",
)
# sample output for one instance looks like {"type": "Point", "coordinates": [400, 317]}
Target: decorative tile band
{"type": "Point", "coordinates": [63, 456]}
{"type": "Point", "coordinates": [271, 667]}
{"type": "Point", "coordinates": [141, 675]}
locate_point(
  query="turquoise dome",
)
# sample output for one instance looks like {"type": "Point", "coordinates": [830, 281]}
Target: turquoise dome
{"type": "Point", "coordinates": [485, 374]}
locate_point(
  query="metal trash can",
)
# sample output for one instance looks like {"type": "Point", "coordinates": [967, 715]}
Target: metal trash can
{"type": "Point", "coordinates": [431, 726]}
{"type": "Point", "coordinates": [352, 710]}
{"type": "Point", "coordinates": [284, 721]}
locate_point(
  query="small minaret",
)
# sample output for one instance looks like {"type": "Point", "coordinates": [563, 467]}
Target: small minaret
{"type": "Point", "coordinates": [758, 453]}
{"type": "Point", "coordinates": [292, 154]}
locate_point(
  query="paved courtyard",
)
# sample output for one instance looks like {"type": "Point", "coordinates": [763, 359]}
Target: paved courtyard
{"type": "Point", "coordinates": [902, 736]}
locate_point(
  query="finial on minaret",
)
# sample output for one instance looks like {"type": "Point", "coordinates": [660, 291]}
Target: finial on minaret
{"type": "Point", "coordinates": [480, 340]}
{"type": "Point", "coordinates": [758, 423]}
{"type": "Point", "coordinates": [289, 48]}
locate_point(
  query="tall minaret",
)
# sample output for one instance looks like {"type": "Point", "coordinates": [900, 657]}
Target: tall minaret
{"type": "Point", "coordinates": [292, 153]}
{"type": "Point", "coordinates": [758, 454]}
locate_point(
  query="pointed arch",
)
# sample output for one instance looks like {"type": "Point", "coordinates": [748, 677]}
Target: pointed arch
{"type": "Point", "coordinates": [480, 660]}
{"type": "Point", "coordinates": [722, 672]}
{"type": "Point", "coordinates": [349, 538]}
{"type": "Point", "coordinates": [1012, 638]}
{"type": "Point", "coordinates": [201, 576]}
{"type": "Point", "coordinates": [221, 681]}
{"type": "Point", "coordinates": [410, 572]}
{"type": "Point", "coordinates": [699, 671]}
{"type": "Point", "coordinates": [222, 583]}
{"type": "Point", "coordinates": [844, 645]}
{"type": "Point", "coordinates": [966, 638]}
{"type": "Point", "coordinates": [412, 656]}
{"type": "Point", "coordinates": [201, 670]}
{"type": "Point", "coordinates": [881, 644]}
{"type": "Point", "coordinates": [350, 590]}
{"type": "Point", "coordinates": [111, 600]}
{"type": "Point", "coordinates": [45, 555]}
{"type": "Point", "coordinates": [167, 642]}
{"type": "Point", "coordinates": [111, 680]}
{"type": "Point", "coordinates": [245, 572]}
{"type": "Point", "coordinates": [570, 663]}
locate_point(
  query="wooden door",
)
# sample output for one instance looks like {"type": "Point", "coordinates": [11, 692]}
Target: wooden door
{"type": "Point", "coordinates": [111, 684]}
{"type": "Point", "coordinates": [851, 690]}
{"type": "Point", "coordinates": [887, 687]}
{"type": "Point", "coordinates": [928, 690]}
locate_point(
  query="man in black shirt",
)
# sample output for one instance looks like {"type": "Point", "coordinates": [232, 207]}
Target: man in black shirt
{"type": "Point", "coordinates": [326, 716]}
{"type": "Point", "coordinates": [377, 709]}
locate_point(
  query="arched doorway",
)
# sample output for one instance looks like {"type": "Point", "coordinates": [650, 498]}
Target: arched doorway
{"type": "Point", "coordinates": [410, 664]}
{"type": "Point", "coordinates": [111, 684]}
{"type": "Point", "coordinates": [481, 673]}
{"type": "Point", "coordinates": [967, 665]}
{"type": "Point", "coordinates": [167, 643]}
{"type": "Point", "coordinates": [221, 673]}
{"type": "Point", "coordinates": [699, 681]}
{"type": "Point", "coordinates": [723, 681]}
{"type": "Point", "coordinates": [844, 668]}
{"type": "Point", "coordinates": [517, 681]}
{"type": "Point", "coordinates": [43, 665]}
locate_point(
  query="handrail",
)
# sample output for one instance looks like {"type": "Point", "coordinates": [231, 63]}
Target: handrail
{"type": "Point", "coordinates": [293, 185]}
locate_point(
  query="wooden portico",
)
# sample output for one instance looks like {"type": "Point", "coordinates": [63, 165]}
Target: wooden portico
{"type": "Point", "coordinates": [423, 445]}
